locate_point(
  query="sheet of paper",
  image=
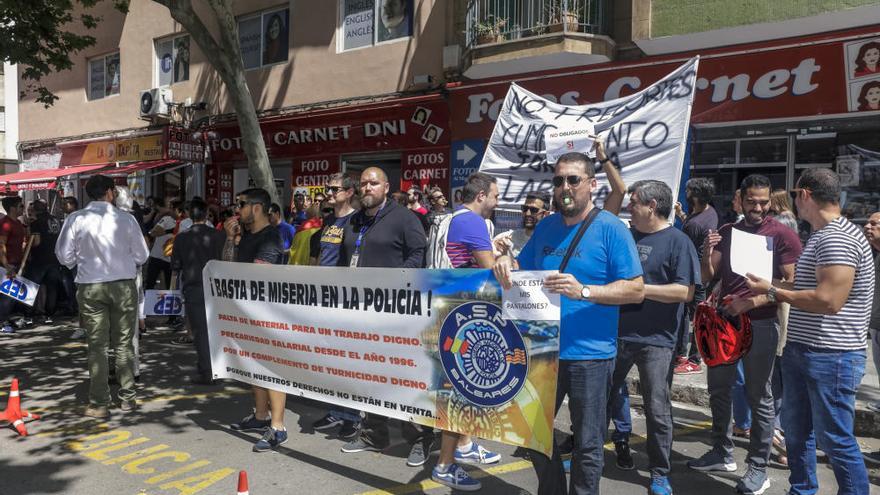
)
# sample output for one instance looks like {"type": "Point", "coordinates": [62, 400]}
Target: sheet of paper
{"type": "Point", "coordinates": [163, 303]}
{"type": "Point", "coordinates": [560, 141]}
{"type": "Point", "coordinates": [18, 288]}
{"type": "Point", "coordinates": [751, 253]}
{"type": "Point", "coordinates": [528, 300]}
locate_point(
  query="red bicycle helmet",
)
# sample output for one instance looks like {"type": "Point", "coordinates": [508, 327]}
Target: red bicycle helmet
{"type": "Point", "coordinates": [721, 339]}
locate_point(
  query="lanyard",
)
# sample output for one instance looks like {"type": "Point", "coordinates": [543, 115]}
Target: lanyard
{"type": "Point", "coordinates": [360, 239]}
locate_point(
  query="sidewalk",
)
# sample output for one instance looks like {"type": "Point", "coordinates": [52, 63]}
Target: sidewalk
{"type": "Point", "coordinates": [692, 389]}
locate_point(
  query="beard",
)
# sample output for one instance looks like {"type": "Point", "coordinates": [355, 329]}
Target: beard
{"type": "Point", "coordinates": [573, 208]}
{"type": "Point", "coordinates": [370, 202]}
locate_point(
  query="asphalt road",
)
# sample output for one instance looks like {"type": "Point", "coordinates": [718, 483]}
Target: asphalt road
{"type": "Point", "coordinates": [178, 441]}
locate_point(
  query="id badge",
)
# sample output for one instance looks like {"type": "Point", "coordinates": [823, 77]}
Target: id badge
{"type": "Point", "coordinates": [354, 260]}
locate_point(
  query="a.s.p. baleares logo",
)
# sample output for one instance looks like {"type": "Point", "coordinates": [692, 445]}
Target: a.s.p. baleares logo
{"type": "Point", "coordinates": [483, 354]}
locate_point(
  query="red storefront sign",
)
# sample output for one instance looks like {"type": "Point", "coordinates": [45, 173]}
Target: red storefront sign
{"type": "Point", "coordinates": [314, 171]}
{"type": "Point", "coordinates": [425, 167]}
{"type": "Point", "coordinates": [185, 145]}
{"type": "Point", "coordinates": [787, 79]}
{"type": "Point", "coordinates": [387, 127]}
{"type": "Point", "coordinates": [218, 183]}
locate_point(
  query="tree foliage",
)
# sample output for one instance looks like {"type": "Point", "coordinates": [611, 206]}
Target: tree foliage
{"type": "Point", "coordinates": [42, 35]}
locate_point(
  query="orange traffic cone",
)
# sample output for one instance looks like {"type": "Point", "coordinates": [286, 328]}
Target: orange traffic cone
{"type": "Point", "coordinates": [13, 412]}
{"type": "Point", "coordinates": [242, 483]}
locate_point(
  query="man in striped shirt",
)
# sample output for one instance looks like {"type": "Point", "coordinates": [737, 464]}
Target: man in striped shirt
{"type": "Point", "coordinates": [824, 359]}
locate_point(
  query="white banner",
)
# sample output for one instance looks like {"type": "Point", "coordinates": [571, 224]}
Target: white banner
{"type": "Point", "coordinates": [163, 303]}
{"type": "Point", "coordinates": [644, 134]}
{"type": "Point", "coordinates": [18, 288]}
{"type": "Point", "coordinates": [427, 346]}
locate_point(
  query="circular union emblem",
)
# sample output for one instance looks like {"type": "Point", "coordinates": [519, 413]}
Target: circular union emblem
{"type": "Point", "coordinates": [483, 354]}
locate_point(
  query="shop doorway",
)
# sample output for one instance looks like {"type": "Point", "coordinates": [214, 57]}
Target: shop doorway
{"type": "Point", "coordinates": [353, 165]}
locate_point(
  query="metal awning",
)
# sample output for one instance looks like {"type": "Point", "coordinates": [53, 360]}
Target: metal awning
{"type": "Point", "coordinates": [33, 180]}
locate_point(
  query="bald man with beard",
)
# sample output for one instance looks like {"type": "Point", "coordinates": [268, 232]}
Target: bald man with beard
{"type": "Point", "coordinates": [387, 235]}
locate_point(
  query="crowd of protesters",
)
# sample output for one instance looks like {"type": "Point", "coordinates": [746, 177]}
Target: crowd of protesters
{"type": "Point", "coordinates": [639, 287]}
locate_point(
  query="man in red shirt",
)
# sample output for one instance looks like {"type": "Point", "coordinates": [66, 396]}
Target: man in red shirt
{"type": "Point", "coordinates": [12, 236]}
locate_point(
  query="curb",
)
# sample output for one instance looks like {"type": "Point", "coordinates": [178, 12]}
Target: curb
{"type": "Point", "coordinates": [867, 422]}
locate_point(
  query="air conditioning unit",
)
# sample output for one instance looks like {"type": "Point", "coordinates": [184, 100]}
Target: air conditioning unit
{"type": "Point", "coordinates": [154, 102]}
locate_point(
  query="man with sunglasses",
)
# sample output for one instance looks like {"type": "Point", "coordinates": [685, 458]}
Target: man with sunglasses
{"type": "Point", "coordinates": [533, 210]}
{"type": "Point", "coordinates": [754, 193]}
{"type": "Point", "coordinates": [260, 243]}
{"type": "Point", "coordinates": [603, 273]}
{"type": "Point", "coordinates": [326, 245]}
{"type": "Point", "coordinates": [824, 357]}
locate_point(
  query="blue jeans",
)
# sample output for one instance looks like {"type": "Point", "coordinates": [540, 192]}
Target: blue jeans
{"type": "Point", "coordinates": [588, 385]}
{"type": "Point", "coordinates": [655, 373]}
{"type": "Point", "coordinates": [742, 413]}
{"type": "Point", "coordinates": [819, 396]}
{"type": "Point", "coordinates": [619, 412]}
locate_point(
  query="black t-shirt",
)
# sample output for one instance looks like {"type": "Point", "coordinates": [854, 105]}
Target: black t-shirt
{"type": "Point", "coordinates": [193, 250]}
{"type": "Point", "coordinates": [264, 246]}
{"type": "Point", "coordinates": [48, 227]}
{"type": "Point", "coordinates": [667, 257]}
{"type": "Point", "coordinates": [329, 239]}
{"type": "Point", "coordinates": [697, 226]}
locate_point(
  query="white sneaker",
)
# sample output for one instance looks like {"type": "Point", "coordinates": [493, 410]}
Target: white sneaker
{"type": "Point", "coordinates": [78, 334]}
{"type": "Point", "coordinates": [874, 406]}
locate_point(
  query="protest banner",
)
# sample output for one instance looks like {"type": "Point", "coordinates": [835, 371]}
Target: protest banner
{"type": "Point", "coordinates": [644, 135]}
{"type": "Point", "coordinates": [163, 303]}
{"type": "Point", "coordinates": [426, 346]}
{"type": "Point", "coordinates": [19, 288]}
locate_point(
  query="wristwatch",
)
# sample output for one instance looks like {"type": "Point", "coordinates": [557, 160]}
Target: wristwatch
{"type": "Point", "coordinates": [585, 293]}
{"type": "Point", "coordinates": [771, 294]}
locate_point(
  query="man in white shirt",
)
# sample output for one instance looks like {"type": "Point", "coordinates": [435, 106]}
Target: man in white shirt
{"type": "Point", "coordinates": [106, 246]}
{"type": "Point", "coordinates": [162, 233]}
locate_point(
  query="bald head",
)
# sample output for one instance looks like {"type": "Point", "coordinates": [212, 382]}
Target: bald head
{"type": "Point", "coordinates": [374, 189]}
{"type": "Point", "coordinates": [377, 172]}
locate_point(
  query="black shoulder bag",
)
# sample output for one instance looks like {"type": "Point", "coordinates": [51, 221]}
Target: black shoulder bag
{"type": "Point", "coordinates": [577, 238]}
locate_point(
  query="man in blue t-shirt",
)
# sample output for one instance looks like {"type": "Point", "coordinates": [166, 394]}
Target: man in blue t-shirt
{"type": "Point", "coordinates": [286, 230]}
{"type": "Point", "coordinates": [603, 273]}
{"type": "Point", "coordinates": [648, 331]}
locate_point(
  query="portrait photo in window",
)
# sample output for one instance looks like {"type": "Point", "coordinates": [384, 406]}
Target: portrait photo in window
{"type": "Point", "coordinates": [395, 20]}
{"type": "Point", "coordinates": [111, 79]}
{"type": "Point", "coordinates": [275, 37]}
{"type": "Point", "coordinates": [181, 59]}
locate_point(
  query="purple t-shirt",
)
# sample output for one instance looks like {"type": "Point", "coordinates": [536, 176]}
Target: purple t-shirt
{"type": "Point", "coordinates": [786, 251]}
{"type": "Point", "coordinates": [467, 233]}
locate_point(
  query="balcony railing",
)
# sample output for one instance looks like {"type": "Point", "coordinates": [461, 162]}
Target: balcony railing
{"type": "Point", "coordinates": [493, 21]}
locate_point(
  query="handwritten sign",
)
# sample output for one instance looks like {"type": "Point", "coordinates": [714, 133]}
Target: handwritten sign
{"type": "Point", "coordinates": [644, 135]}
{"type": "Point", "coordinates": [528, 300]}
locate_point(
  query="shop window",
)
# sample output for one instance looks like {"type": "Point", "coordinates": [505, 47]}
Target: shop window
{"type": "Point", "coordinates": [365, 23]}
{"type": "Point", "coordinates": [810, 150]}
{"type": "Point", "coordinates": [858, 165]}
{"type": "Point", "coordinates": [172, 60]}
{"type": "Point", "coordinates": [104, 76]}
{"type": "Point", "coordinates": [264, 38]}
{"type": "Point", "coordinates": [714, 153]}
{"type": "Point", "coordinates": [763, 151]}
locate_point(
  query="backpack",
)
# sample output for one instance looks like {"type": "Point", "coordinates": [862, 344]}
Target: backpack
{"type": "Point", "coordinates": [437, 257]}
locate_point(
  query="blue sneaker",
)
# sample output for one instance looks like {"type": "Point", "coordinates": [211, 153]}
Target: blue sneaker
{"type": "Point", "coordinates": [566, 465]}
{"type": "Point", "coordinates": [271, 438]}
{"type": "Point", "coordinates": [660, 485]}
{"type": "Point", "coordinates": [455, 477]}
{"type": "Point", "coordinates": [476, 455]}
{"type": "Point", "coordinates": [251, 423]}
{"type": "Point", "coordinates": [7, 329]}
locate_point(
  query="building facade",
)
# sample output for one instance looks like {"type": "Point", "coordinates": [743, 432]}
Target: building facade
{"type": "Point", "coordinates": [415, 86]}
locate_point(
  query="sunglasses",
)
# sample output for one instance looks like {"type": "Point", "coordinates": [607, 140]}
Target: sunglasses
{"type": "Point", "coordinates": [795, 192]}
{"type": "Point", "coordinates": [333, 189]}
{"type": "Point", "coordinates": [573, 180]}
{"type": "Point", "coordinates": [534, 210]}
